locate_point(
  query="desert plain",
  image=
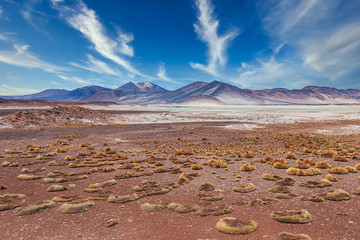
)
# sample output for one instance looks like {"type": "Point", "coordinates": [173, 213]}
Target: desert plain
{"type": "Point", "coordinates": [102, 171]}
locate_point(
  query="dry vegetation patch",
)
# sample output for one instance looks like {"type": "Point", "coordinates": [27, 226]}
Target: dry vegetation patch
{"type": "Point", "coordinates": [249, 187]}
{"type": "Point", "coordinates": [35, 208]}
{"type": "Point", "coordinates": [231, 225]}
{"type": "Point", "coordinates": [150, 207]}
{"type": "Point", "coordinates": [291, 236]}
{"type": "Point", "coordinates": [292, 216]}
{"type": "Point", "coordinates": [72, 208]}
{"type": "Point", "coordinates": [337, 195]}
{"type": "Point", "coordinates": [10, 201]}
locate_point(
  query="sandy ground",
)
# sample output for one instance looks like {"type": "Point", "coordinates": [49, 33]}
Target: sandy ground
{"type": "Point", "coordinates": [146, 150]}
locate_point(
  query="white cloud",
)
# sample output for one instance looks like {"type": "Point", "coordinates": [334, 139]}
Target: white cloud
{"type": "Point", "coordinates": [207, 30]}
{"type": "Point", "coordinates": [86, 21]}
{"type": "Point", "coordinates": [271, 73]}
{"type": "Point", "coordinates": [162, 74]}
{"type": "Point", "coordinates": [76, 80]}
{"type": "Point", "coordinates": [325, 37]}
{"type": "Point", "coordinates": [56, 1]}
{"type": "Point", "coordinates": [262, 74]}
{"type": "Point", "coordinates": [1, 11]}
{"type": "Point", "coordinates": [36, 18]}
{"type": "Point", "coordinates": [8, 90]}
{"type": "Point", "coordinates": [23, 58]}
{"type": "Point", "coordinates": [283, 16]}
{"type": "Point", "coordinates": [95, 65]}
{"type": "Point", "coordinates": [335, 54]}
{"type": "Point", "coordinates": [131, 75]}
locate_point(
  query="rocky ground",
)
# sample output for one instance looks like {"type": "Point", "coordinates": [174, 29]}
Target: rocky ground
{"type": "Point", "coordinates": [195, 180]}
{"type": "Point", "coordinates": [55, 116]}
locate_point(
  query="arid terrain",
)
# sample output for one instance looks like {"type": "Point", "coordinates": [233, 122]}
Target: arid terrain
{"type": "Point", "coordinates": [127, 172]}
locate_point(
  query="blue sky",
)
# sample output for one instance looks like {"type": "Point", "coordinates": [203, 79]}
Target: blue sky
{"type": "Point", "coordinates": [251, 44]}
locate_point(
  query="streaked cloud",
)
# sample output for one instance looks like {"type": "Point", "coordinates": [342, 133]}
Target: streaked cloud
{"type": "Point", "coordinates": [9, 90]}
{"type": "Point", "coordinates": [76, 80]}
{"type": "Point", "coordinates": [85, 20]}
{"type": "Point", "coordinates": [56, 1]}
{"type": "Point", "coordinates": [162, 74]}
{"type": "Point", "coordinates": [34, 17]}
{"type": "Point", "coordinates": [260, 74]}
{"type": "Point", "coordinates": [23, 58]}
{"type": "Point", "coordinates": [335, 54]}
{"type": "Point", "coordinates": [271, 72]}
{"type": "Point", "coordinates": [207, 30]}
{"type": "Point", "coordinates": [95, 65]}
{"type": "Point", "coordinates": [324, 37]}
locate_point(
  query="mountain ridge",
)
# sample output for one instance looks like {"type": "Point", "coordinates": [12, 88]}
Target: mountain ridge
{"type": "Point", "coordinates": [214, 92]}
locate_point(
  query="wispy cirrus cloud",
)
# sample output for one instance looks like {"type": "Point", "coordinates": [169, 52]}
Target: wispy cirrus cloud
{"type": "Point", "coordinates": [86, 21]}
{"type": "Point", "coordinates": [34, 17]}
{"type": "Point", "coordinates": [325, 37]}
{"type": "Point", "coordinates": [162, 74]}
{"type": "Point", "coordinates": [207, 30]}
{"type": "Point", "coordinates": [23, 58]}
{"type": "Point", "coordinates": [265, 73]}
{"type": "Point", "coordinates": [76, 80]}
{"type": "Point", "coordinates": [95, 65]}
{"type": "Point", "coordinates": [9, 90]}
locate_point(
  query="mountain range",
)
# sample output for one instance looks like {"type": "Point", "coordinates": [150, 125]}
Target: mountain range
{"type": "Point", "coordinates": [198, 93]}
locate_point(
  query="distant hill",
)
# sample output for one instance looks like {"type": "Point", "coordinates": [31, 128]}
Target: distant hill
{"type": "Point", "coordinates": [141, 87]}
{"type": "Point", "coordinates": [129, 93]}
{"type": "Point", "coordinates": [201, 100]}
{"type": "Point", "coordinates": [48, 94]}
{"type": "Point", "coordinates": [311, 95]}
{"type": "Point", "coordinates": [66, 95]}
{"type": "Point", "coordinates": [199, 93]}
